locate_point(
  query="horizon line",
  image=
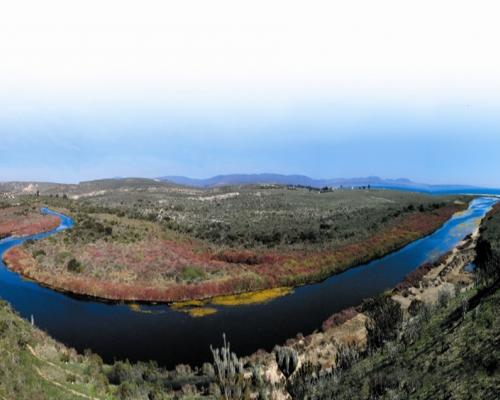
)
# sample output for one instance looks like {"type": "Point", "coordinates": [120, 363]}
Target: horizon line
{"type": "Point", "coordinates": [409, 181]}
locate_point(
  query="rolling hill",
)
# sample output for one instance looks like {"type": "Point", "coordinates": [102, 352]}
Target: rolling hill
{"type": "Point", "coordinates": [302, 180]}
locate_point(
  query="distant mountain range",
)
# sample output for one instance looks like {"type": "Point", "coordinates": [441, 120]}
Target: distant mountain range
{"type": "Point", "coordinates": [166, 183]}
{"type": "Point", "coordinates": [302, 180]}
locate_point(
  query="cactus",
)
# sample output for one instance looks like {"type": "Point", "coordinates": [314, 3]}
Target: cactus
{"type": "Point", "coordinates": [287, 360]}
{"type": "Point", "coordinates": [229, 371]}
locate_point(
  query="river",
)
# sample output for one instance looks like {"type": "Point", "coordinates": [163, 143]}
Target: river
{"type": "Point", "coordinates": [115, 331]}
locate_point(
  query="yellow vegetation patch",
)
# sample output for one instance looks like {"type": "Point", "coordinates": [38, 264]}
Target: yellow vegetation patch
{"type": "Point", "coordinates": [198, 308]}
{"type": "Point", "coordinates": [260, 296]}
{"type": "Point", "coordinates": [137, 308]}
{"type": "Point", "coordinates": [195, 308]}
{"type": "Point", "coordinates": [198, 311]}
{"type": "Point", "coordinates": [188, 303]}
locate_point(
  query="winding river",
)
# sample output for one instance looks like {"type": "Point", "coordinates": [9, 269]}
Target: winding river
{"type": "Point", "coordinates": [156, 332]}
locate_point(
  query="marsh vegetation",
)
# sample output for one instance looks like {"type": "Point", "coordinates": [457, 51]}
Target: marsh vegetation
{"type": "Point", "coordinates": [142, 243]}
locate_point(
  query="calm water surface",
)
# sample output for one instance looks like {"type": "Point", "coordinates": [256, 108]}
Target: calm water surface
{"type": "Point", "coordinates": [116, 332]}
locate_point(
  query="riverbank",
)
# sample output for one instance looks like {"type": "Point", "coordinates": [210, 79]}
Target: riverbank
{"type": "Point", "coordinates": [22, 221]}
{"type": "Point", "coordinates": [99, 272]}
{"type": "Point", "coordinates": [344, 338]}
{"type": "Point", "coordinates": [446, 344]}
{"type": "Point", "coordinates": [35, 366]}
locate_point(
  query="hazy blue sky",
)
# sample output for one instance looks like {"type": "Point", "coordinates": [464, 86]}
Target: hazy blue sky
{"type": "Point", "coordinates": [331, 89]}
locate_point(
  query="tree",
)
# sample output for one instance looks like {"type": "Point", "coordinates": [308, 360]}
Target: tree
{"type": "Point", "coordinates": [386, 317]}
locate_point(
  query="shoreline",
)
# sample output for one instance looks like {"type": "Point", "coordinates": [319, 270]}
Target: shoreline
{"type": "Point", "coordinates": [18, 261]}
{"type": "Point", "coordinates": [347, 328]}
{"type": "Point", "coordinates": [45, 224]}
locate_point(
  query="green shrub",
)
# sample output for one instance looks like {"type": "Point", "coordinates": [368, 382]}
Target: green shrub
{"type": "Point", "coordinates": [192, 273]}
{"type": "Point", "coordinates": [415, 307]}
{"type": "Point", "coordinates": [74, 266]}
{"type": "Point", "coordinates": [386, 317]}
{"type": "Point", "coordinates": [444, 297]}
{"type": "Point", "coordinates": [121, 372]}
{"type": "Point", "coordinates": [62, 257]}
{"type": "Point", "coordinates": [127, 391]}
{"type": "Point", "coordinates": [38, 252]}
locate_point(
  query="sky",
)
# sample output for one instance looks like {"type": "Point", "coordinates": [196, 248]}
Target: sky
{"type": "Point", "coordinates": [93, 89]}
